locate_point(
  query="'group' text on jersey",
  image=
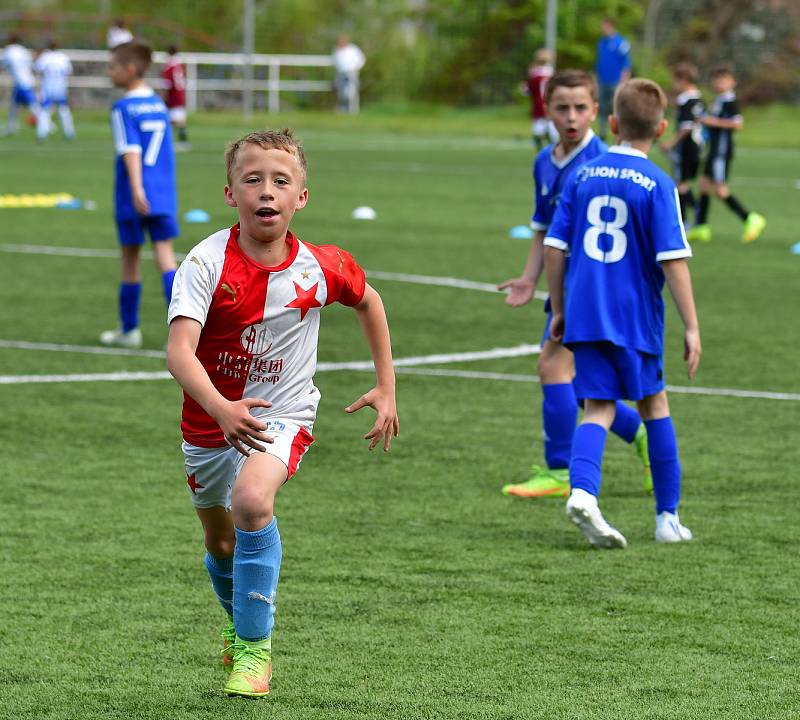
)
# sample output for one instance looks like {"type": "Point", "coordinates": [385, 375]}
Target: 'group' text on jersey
{"type": "Point", "coordinates": [618, 218]}
{"type": "Point", "coordinates": [550, 173]}
{"type": "Point", "coordinates": [260, 324]}
{"type": "Point", "coordinates": [140, 124]}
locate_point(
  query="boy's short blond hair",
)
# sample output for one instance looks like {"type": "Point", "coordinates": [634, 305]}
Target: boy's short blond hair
{"type": "Point", "coordinates": [571, 79]}
{"type": "Point", "coordinates": [639, 106]}
{"type": "Point", "coordinates": [136, 53]}
{"type": "Point", "coordinates": [268, 140]}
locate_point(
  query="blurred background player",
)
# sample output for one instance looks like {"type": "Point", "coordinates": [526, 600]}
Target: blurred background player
{"type": "Point", "coordinates": [571, 102]}
{"type": "Point", "coordinates": [348, 61]}
{"type": "Point", "coordinates": [19, 62]}
{"type": "Point", "coordinates": [245, 358]}
{"type": "Point", "coordinates": [174, 78]}
{"type": "Point", "coordinates": [54, 67]}
{"type": "Point", "coordinates": [685, 146]}
{"type": "Point", "coordinates": [144, 185]}
{"type": "Point", "coordinates": [118, 33]}
{"type": "Point", "coordinates": [539, 72]}
{"type": "Point", "coordinates": [722, 120]}
{"type": "Point", "coordinates": [613, 67]}
{"type": "Point", "coordinates": [619, 218]}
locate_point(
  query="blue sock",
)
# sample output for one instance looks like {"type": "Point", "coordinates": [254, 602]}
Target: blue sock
{"type": "Point", "coordinates": [166, 280]}
{"type": "Point", "coordinates": [256, 565]}
{"type": "Point", "coordinates": [559, 415]}
{"type": "Point", "coordinates": [664, 464]}
{"type": "Point", "coordinates": [129, 295]}
{"type": "Point", "coordinates": [626, 422]}
{"type": "Point", "coordinates": [585, 468]}
{"type": "Point", "coordinates": [220, 570]}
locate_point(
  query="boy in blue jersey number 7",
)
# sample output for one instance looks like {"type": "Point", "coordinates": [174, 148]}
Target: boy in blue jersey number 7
{"type": "Point", "coordinates": [144, 185]}
{"type": "Point", "coordinates": [571, 103]}
{"type": "Point", "coordinates": [619, 220]}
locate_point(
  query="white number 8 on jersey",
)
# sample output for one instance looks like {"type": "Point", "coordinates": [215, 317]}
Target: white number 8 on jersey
{"type": "Point", "coordinates": [613, 228]}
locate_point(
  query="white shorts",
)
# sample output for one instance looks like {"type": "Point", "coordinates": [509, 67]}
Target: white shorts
{"type": "Point", "coordinates": [212, 472]}
{"type": "Point", "coordinates": [177, 115]}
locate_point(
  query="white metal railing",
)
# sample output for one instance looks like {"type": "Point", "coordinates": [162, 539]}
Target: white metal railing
{"type": "Point", "coordinates": [273, 85]}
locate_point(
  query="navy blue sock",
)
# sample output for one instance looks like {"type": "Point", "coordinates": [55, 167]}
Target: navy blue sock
{"type": "Point", "coordinates": [129, 296]}
{"type": "Point", "coordinates": [701, 213]}
{"type": "Point", "coordinates": [626, 422]}
{"type": "Point", "coordinates": [559, 414]}
{"type": "Point", "coordinates": [256, 566]}
{"type": "Point", "coordinates": [736, 206]}
{"type": "Point", "coordinates": [664, 464]}
{"type": "Point", "coordinates": [220, 570]}
{"type": "Point", "coordinates": [585, 468]}
{"type": "Point", "coordinates": [166, 280]}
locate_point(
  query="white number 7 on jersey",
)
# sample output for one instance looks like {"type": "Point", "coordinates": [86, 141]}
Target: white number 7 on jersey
{"type": "Point", "coordinates": [157, 127]}
{"type": "Point", "coordinates": [613, 228]}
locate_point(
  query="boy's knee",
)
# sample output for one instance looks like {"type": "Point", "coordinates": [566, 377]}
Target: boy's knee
{"type": "Point", "coordinates": [555, 365]}
{"type": "Point", "coordinates": [220, 547]}
{"type": "Point", "coordinates": [721, 191]}
{"type": "Point", "coordinates": [654, 407]}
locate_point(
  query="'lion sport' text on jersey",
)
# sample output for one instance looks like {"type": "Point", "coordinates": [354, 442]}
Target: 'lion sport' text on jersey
{"type": "Point", "coordinates": [55, 68]}
{"type": "Point", "coordinates": [260, 324]}
{"type": "Point", "coordinates": [140, 124]}
{"type": "Point", "coordinates": [550, 173]}
{"type": "Point", "coordinates": [618, 218]}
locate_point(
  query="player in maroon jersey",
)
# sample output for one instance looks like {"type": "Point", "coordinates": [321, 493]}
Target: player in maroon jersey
{"type": "Point", "coordinates": [539, 72]}
{"type": "Point", "coordinates": [174, 77]}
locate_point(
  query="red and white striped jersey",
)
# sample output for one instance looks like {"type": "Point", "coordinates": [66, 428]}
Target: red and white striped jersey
{"type": "Point", "coordinates": [260, 324]}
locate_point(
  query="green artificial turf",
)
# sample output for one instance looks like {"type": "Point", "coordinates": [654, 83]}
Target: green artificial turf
{"type": "Point", "coordinates": [410, 587]}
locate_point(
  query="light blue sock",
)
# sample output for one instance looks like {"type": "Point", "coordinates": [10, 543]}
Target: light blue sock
{"type": "Point", "coordinates": [220, 570]}
{"type": "Point", "coordinates": [585, 467]}
{"type": "Point", "coordinates": [626, 422]}
{"type": "Point", "coordinates": [256, 566]}
{"type": "Point", "coordinates": [662, 446]}
{"type": "Point", "coordinates": [559, 415]}
{"type": "Point", "coordinates": [129, 296]}
{"type": "Point", "coordinates": [167, 279]}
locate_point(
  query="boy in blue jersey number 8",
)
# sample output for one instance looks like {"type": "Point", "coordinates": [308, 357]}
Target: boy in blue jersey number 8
{"type": "Point", "coordinates": [144, 185]}
{"type": "Point", "coordinates": [571, 103]}
{"type": "Point", "coordinates": [620, 221]}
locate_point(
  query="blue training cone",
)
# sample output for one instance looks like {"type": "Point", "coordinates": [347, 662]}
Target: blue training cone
{"type": "Point", "coordinates": [520, 232]}
{"type": "Point", "coordinates": [796, 248]}
{"type": "Point", "coordinates": [197, 216]}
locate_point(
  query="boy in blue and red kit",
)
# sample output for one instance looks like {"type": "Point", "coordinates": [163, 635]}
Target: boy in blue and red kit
{"type": "Point", "coordinates": [144, 185]}
{"type": "Point", "coordinates": [571, 101]}
{"type": "Point", "coordinates": [619, 219]}
{"type": "Point", "coordinates": [244, 326]}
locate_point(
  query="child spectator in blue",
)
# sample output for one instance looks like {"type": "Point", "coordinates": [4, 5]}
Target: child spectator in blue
{"type": "Point", "coordinates": [571, 102]}
{"type": "Point", "coordinates": [619, 220]}
{"type": "Point", "coordinates": [144, 185]}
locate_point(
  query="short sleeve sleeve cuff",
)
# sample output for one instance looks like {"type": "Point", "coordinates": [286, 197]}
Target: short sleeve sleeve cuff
{"type": "Point", "coordinates": [672, 254]}
{"type": "Point", "coordinates": [556, 243]}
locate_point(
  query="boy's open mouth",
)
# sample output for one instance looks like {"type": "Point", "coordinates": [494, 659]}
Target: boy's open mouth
{"type": "Point", "coordinates": [266, 212]}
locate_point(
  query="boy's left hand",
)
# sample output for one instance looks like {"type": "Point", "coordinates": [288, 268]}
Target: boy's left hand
{"type": "Point", "coordinates": [386, 423]}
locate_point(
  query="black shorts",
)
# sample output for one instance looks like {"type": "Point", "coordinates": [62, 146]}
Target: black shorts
{"type": "Point", "coordinates": [717, 168]}
{"type": "Point", "coordinates": [686, 163]}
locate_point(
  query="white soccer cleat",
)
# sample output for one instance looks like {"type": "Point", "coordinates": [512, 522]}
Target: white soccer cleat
{"type": "Point", "coordinates": [670, 530]}
{"type": "Point", "coordinates": [117, 338]}
{"type": "Point", "coordinates": [582, 509]}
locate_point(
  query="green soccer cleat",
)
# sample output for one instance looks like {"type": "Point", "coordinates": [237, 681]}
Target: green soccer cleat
{"type": "Point", "coordinates": [252, 668]}
{"type": "Point", "coordinates": [699, 233]}
{"type": "Point", "coordinates": [542, 483]}
{"type": "Point", "coordinates": [228, 639]}
{"type": "Point", "coordinates": [753, 227]}
{"type": "Point", "coordinates": [640, 442]}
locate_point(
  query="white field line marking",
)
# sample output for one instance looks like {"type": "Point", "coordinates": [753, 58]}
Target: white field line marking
{"type": "Point", "coordinates": [85, 349]}
{"type": "Point", "coordinates": [377, 274]}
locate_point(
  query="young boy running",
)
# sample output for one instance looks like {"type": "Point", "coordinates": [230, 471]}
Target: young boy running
{"type": "Point", "coordinates": [244, 323]}
{"type": "Point", "coordinates": [571, 101]}
{"type": "Point", "coordinates": [144, 185]}
{"type": "Point", "coordinates": [722, 121]}
{"type": "Point", "coordinates": [619, 219]}
{"type": "Point", "coordinates": [686, 144]}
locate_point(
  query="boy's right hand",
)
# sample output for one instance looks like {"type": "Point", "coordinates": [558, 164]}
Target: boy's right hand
{"type": "Point", "coordinates": [140, 202]}
{"type": "Point", "coordinates": [557, 327]}
{"type": "Point", "coordinates": [240, 427]}
{"type": "Point", "coordinates": [691, 351]}
{"type": "Point", "coordinates": [522, 291]}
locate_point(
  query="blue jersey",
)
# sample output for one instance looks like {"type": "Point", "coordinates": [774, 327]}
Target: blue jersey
{"type": "Point", "coordinates": [618, 218]}
{"type": "Point", "coordinates": [140, 124]}
{"type": "Point", "coordinates": [612, 59]}
{"type": "Point", "coordinates": [549, 175]}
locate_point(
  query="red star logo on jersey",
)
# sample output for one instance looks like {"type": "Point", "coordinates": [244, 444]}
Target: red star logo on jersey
{"type": "Point", "coordinates": [305, 300]}
{"type": "Point", "coordinates": [193, 484]}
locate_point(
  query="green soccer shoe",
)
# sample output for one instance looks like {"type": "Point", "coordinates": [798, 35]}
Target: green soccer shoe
{"type": "Point", "coordinates": [640, 443]}
{"type": "Point", "coordinates": [542, 483]}
{"type": "Point", "coordinates": [753, 227]}
{"type": "Point", "coordinates": [252, 669]}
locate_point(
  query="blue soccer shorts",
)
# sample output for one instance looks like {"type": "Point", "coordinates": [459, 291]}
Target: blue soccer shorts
{"type": "Point", "coordinates": [604, 371]}
{"type": "Point", "coordinates": [24, 96]}
{"type": "Point", "coordinates": [159, 227]}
